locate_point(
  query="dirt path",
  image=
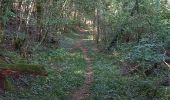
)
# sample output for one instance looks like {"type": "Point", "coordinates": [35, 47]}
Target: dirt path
{"type": "Point", "coordinates": [83, 91]}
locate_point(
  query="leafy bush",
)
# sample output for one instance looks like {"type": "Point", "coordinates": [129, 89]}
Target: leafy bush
{"type": "Point", "coordinates": [145, 52]}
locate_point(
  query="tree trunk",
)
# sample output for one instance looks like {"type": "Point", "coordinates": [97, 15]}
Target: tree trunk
{"type": "Point", "coordinates": [97, 26]}
{"type": "Point", "coordinates": [135, 8]}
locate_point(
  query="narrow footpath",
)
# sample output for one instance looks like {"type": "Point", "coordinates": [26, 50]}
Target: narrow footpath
{"type": "Point", "coordinates": [83, 91]}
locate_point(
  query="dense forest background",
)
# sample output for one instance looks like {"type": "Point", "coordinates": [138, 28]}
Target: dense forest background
{"type": "Point", "coordinates": [49, 47]}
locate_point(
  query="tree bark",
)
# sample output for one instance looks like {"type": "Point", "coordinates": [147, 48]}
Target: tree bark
{"type": "Point", "coordinates": [135, 8]}
{"type": "Point", "coordinates": [97, 26]}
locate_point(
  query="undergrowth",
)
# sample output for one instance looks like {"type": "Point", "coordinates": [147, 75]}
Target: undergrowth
{"type": "Point", "coordinates": [110, 84]}
{"type": "Point", "coordinates": [65, 74]}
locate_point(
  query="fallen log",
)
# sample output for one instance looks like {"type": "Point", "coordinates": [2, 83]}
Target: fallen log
{"type": "Point", "coordinates": [7, 70]}
{"type": "Point", "coordinates": [23, 68]}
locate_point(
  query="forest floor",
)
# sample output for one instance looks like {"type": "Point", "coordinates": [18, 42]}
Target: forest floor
{"type": "Point", "coordinates": [78, 71]}
{"type": "Point", "coordinates": [99, 70]}
{"type": "Point", "coordinates": [84, 89]}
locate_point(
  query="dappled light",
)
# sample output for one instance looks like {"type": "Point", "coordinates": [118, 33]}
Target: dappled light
{"type": "Point", "coordinates": [78, 72]}
{"type": "Point", "coordinates": [84, 49]}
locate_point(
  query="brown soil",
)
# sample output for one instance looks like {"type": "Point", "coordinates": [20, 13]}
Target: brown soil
{"type": "Point", "coordinates": [83, 91]}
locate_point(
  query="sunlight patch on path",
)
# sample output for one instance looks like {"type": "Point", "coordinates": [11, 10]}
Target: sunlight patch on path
{"type": "Point", "coordinates": [83, 91]}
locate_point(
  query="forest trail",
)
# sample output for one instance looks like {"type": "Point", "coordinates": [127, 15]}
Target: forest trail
{"type": "Point", "coordinates": [83, 91]}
